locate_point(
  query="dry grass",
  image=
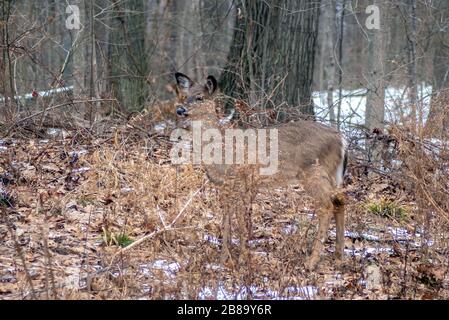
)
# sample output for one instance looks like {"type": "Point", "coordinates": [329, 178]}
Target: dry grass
{"type": "Point", "coordinates": [110, 218]}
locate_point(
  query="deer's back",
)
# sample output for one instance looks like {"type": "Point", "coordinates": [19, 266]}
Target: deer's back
{"type": "Point", "coordinates": [303, 146]}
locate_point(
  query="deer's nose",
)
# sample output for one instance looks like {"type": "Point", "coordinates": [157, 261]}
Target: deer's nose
{"type": "Point", "coordinates": [181, 111]}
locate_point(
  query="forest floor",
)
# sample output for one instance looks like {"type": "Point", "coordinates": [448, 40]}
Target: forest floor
{"type": "Point", "coordinates": [109, 217]}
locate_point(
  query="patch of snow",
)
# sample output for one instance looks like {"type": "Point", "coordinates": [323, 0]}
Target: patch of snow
{"type": "Point", "coordinates": [364, 252]}
{"type": "Point", "coordinates": [160, 127]}
{"type": "Point", "coordinates": [293, 293]}
{"type": "Point", "coordinates": [57, 132]}
{"type": "Point", "coordinates": [2, 147]}
{"type": "Point", "coordinates": [259, 241]}
{"type": "Point", "coordinates": [261, 253]}
{"type": "Point", "coordinates": [356, 235]}
{"type": "Point", "coordinates": [210, 215]}
{"type": "Point", "coordinates": [216, 241]}
{"type": "Point", "coordinates": [80, 152]}
{"type": "Point", "coordinates": [399, 233]}
{"type": "Point", "coordinates": [290, 229]}
{"type": "Point", "coordinates": [206, 293]}
{"type": "Point", "coordinates": [353, 104]}
{"type": "Point", "coordinates": [80, 170]}
{"type": "Point", "coordinates": [53, 131]}
{"type": "Point", "coordinates": [45, 93]}
{"type": "Point", "coordinates": [211, 239]}
{"type": "Point", "coordinates": [169, 268]}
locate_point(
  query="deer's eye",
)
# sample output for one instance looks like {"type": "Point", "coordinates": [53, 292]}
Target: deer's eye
{"type": "Point", "coordinates": [199, 98]}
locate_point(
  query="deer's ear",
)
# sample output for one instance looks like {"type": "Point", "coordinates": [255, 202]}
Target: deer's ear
{"type": "Point", "coordinates": [184, 83]}
{"type": "Point", "coordinates": [211, 84]}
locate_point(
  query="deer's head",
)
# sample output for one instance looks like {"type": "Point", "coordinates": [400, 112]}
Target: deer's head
{"type": "Point", "coordinates": [194, 98]}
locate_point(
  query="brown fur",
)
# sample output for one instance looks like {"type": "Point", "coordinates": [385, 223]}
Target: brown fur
{"type": "Point", "coordinates": [310, 153]}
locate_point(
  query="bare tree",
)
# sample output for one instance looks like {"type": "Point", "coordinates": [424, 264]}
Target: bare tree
{"type": "Point", "coordinates": [7, 87]}
{"type": "Point", "coordinates": [271, 59]}
{"type": "Point", "coordinates": [80, 47]}
{"type": "Point", "coordinates": [439, 112]}
{"type": "Point", "coordinates": [412, 80]}
{"type": "Point", "coordinates": [328, 54]}
{"type": "Point", "coordinates": [340, 57]}
{"type": "Point", "coordinates": [375, 109]}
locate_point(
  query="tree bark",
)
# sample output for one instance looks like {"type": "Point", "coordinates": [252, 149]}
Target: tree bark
{"type": "Point", "coordinates": [340, 57]}
{"type": "Point", "coordinates": [6, 68]}
{"type": "Point", "coordinates": [412, 82]}
{"type": "Point", "coordinates": [80, 53]}
{"type": "Point", "coordinates": [192, 37]}
{"type": "Point", "coordinates": [329, 20]}
{"type": "Point", "coordinates": [438, 120]}
{"type": "Point", "coordinates": [129, 65]}
{"type": "Point", "coordinates": [271, 59]}
{"type": "Point", "coordinates": [375, 110]}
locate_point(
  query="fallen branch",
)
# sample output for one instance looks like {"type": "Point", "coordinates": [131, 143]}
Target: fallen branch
{"type": "Point", "coordinates": [169, 227]}
{"type": "Point", "coordinates": [49, 109]}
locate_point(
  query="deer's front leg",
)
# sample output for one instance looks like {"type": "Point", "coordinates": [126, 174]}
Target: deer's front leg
{"type": "Point", "coordinates": [324, 216]}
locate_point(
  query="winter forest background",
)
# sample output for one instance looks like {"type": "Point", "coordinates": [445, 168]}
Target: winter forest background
{"type": "Point", "coordinates": [128, 51]}
{"type": "Point", "coordinates": [85, 115]}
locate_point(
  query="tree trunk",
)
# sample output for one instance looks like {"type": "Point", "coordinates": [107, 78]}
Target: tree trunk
{"type": "Point", "coordinates": [272, 55]}
{"type": "Point", "coordinates": [129, 67]}
{"type": "Point", "coordinates": [329, 21]}
{"type": "Point", "coordinates": [416, 122]}
{"type": "Point", "coordinates": [192, 37]}
{"type": "Point", "coordinates": [80, 68]}
{"type": "Point", "coordinates": [6, 67]}
{"type": "Point", "coordinates": [327, 39]}
{"type": "Point", "coordinates": [375, 110]}
{"type": "Point", "coordinates": [438, 119]}
{"type": "Point", "coordinates": [340, 57]}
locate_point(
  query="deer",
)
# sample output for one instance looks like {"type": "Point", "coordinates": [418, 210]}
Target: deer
{"type": "Point", "coordinates": [310, 153]}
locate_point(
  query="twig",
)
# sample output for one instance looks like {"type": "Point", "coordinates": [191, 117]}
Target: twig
{"type": "Point", "coordinates": [167, 228]}
{"type": "Point", "coordinates": [19, 251]}
{"type": "Point", "coordinates": [49, 109]}
{"type": "Point", "coordinates": [61, 105]}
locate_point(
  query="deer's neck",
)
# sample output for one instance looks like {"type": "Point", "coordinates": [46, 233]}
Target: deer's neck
{"type": "Point", "coordinates": [208, 118]}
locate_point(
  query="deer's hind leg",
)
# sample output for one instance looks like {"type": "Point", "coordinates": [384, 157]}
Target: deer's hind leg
{"type": "Point", "coordinates": [339, 215]}
{"type": "Point", "coordinates": [320, 187]}
{"type": "Point", "coordinates": [340, 241]}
